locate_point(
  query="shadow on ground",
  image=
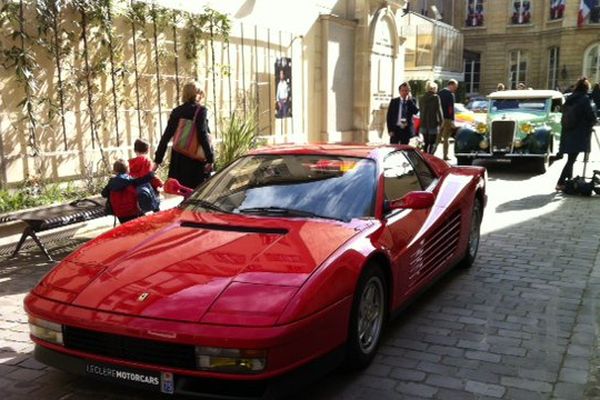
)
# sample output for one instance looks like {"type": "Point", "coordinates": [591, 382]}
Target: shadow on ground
{"type": "Point", "coordinates": [529, 202]}
{"type": "Point", "coordinates": [19, 274]}
{"type": "Point", "coordinates": [506, 170]}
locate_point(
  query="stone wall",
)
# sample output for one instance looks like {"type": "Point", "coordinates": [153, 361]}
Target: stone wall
{"type": "Point", "coordinates": [145, 90]}
{"type": "Point", "coordinates": [332, 45]}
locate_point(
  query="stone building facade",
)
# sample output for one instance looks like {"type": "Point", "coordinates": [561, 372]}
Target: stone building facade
{"type": "Point", "coordinates": [537, 42]}
{"type": "Point", "coordinates": [345, 59]}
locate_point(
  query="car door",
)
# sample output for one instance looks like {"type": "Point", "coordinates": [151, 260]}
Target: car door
{"type": "Point", "coordinates": [438, 243]}
{"type": "Point", "coordinates": [402, 225]}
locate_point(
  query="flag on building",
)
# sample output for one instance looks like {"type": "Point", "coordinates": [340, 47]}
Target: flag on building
{"type": "Point", "coordinates": [584, 10]}
{"type": "Point", "coordinates": [557, 9]}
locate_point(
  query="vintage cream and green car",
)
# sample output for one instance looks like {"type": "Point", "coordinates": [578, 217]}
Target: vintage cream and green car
{"type": "Point", "coordinates": [521, 125]}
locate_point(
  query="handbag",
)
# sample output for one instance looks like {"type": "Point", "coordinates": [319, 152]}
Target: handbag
{"type": "Point", "coordinates": [579, 185]}
{"type": "Point", "coordinates": [186, 140]}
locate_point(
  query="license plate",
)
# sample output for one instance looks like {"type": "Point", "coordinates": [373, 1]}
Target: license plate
{"type": "Point", "coordinates": [159, 381]}
{"type": "Point", "coordinates": [167, 382]}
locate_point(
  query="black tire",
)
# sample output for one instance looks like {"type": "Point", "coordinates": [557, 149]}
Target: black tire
{"type": "Point", "coordinates": [462, 160]}
{"type": "Point", "coordinates": [540, 165]}
{"type": "Point", "coordinates": [474, 235]}
{"type": "Point", "coordinates": [360, 350]}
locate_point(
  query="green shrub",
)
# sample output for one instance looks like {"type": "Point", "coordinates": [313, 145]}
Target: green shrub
{"type": "Point", "coordinates": [34, 194]}
{"type": "Point", "coordinates": [237, 138]}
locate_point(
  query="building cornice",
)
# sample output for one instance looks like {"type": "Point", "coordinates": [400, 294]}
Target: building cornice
{"type": "Point", "coordinates": [339, 20]}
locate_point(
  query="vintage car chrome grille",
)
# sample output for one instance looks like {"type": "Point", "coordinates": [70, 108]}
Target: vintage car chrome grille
{"type": "Point", "coordinates": [129, 348]}
{"type": "Point", "coordinates": [437, 249]}
{"type": "Point", "coordinates": [501, 135]}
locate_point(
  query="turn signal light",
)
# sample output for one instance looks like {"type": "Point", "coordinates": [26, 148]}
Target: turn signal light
{"type": "Point", "coordinates": [46, 330]}
{"type": "Point", "coordinates": [230, 360]}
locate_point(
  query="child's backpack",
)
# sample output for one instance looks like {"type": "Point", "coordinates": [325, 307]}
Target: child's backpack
{"type": "Point", "coordinates": [124, 203]}
{"type": "Point", "coordinates": [147, 198]}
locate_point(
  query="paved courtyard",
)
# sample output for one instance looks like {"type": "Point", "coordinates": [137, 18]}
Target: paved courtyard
{"type": "Point", "coordinates": [522, 323]}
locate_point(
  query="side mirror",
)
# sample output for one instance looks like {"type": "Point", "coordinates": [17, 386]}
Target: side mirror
{"type": "Point", "coordinates": [172, 186]}
{"type": "Point", "coordinates": [414, 201]}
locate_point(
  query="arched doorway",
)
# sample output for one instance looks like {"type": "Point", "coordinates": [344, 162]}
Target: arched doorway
{"type": "Point", "coordinates": [591, 63]}
{"type": "Point", "coordinates": [383, 70]}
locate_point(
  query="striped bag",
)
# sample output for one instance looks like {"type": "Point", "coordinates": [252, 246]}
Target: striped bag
{"type": "Point", "coordinates": [186, 140]}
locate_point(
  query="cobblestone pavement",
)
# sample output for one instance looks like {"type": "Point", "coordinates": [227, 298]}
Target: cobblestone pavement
{"type": "Point", "coordinates": [521, 323]}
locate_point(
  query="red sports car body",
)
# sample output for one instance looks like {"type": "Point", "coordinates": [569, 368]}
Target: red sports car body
{"type": "Point", "coordinates": [287, 255]}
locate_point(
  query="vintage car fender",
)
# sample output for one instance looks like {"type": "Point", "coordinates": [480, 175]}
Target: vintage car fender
{"type": "Point", "coordinates": [467, 140]}
{"type": "Point", "coordinates": [540, 141]}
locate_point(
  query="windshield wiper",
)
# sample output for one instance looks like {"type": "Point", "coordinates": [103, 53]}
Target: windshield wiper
{"type": "Point", "coordinates": [205, 204]}
{"type": "Point", "coordinates": [283, 211]}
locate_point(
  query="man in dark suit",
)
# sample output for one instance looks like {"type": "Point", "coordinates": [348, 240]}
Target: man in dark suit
{"type": "Point", "coordinates": [400, 116]}
{"type": "Point", "coordinates": [447, 100]}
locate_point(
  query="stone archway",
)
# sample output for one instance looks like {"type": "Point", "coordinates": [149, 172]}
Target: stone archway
{"type": "Point", "coordinates": [376, 54]}
{"type": "Point", "coordinates": [591, 62]}
{"type": "Point", "coordinates": [383, 71]}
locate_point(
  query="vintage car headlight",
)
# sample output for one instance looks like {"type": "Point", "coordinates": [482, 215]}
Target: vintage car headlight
{"type": "Point", "coordinates": [46, 330]}
{"type": "Point", "coordinates": [527, 128]}
{"type": "Point", "coordinates": [481, 128]}
{"type": "Point", "coordinates": [230, 360]}
{"type": "Point", "coordinates": [484, 144]}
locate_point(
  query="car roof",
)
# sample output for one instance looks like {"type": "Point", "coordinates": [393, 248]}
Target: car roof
{"type": "Point", "coordinates": [525, 94]}
{"type": "Point", "coordinates": [343, 150]}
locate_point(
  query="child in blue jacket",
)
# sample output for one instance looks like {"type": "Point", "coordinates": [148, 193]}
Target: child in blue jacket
{"type": "Point", "coordinates": [122, 194]}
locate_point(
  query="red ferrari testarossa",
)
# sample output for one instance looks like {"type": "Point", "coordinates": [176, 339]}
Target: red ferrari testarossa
{"type": "Point", "coordinates": [285, 257]}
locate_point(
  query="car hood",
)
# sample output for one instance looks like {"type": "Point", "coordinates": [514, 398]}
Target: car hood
{"type": "Point", "coordinates": [180, 265]}
{"type": "Point", "coordinates": [520, 116]}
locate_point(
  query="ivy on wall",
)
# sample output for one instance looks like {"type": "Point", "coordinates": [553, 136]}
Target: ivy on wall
{"type": "Point", "coordinates": [160, 18]}
{"type": "Point", "coordinates": [136, 14]}
{"type": "Point", "coordinates": [105, 16]}
{"type": "Point", "coordinates": [81, 40]}
{"type": "Point", "coordinates": [213, 25]}
{"type": "Point", "coordinates": [51, 34]}
{"type": "Point", "coordinates": [90, 13]}
{"type": "Point", "coordinates": [219, 27]}
{"type": "Point", "coordinates": [21, 58]}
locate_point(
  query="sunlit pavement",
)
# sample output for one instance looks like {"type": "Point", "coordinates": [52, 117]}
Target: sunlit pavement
{"type": "Point", "coordinates": [520, 324]}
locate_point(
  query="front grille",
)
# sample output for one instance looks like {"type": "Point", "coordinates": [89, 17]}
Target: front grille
{"type": "Point", "coordinates": [501, 135]}
{"type": "Point", "coordinates": [130, 349]}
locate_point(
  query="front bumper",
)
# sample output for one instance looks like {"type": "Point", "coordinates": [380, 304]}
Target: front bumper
{"type": "Point", "coordinates": [499, 155]}
{"type": "Point", "coordinates": [169, 383]}
{"type": "Point", "coordinates": [289, 346]}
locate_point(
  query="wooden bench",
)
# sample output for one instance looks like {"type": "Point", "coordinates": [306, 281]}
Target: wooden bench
{"type": "Point", "coordinates": [55, 217]}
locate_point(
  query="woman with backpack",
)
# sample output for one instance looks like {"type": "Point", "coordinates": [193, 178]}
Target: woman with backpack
{"type": "Point", "coordinates": [577, 122]}
{"type": "Point", "coordinates": [189, 171]}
